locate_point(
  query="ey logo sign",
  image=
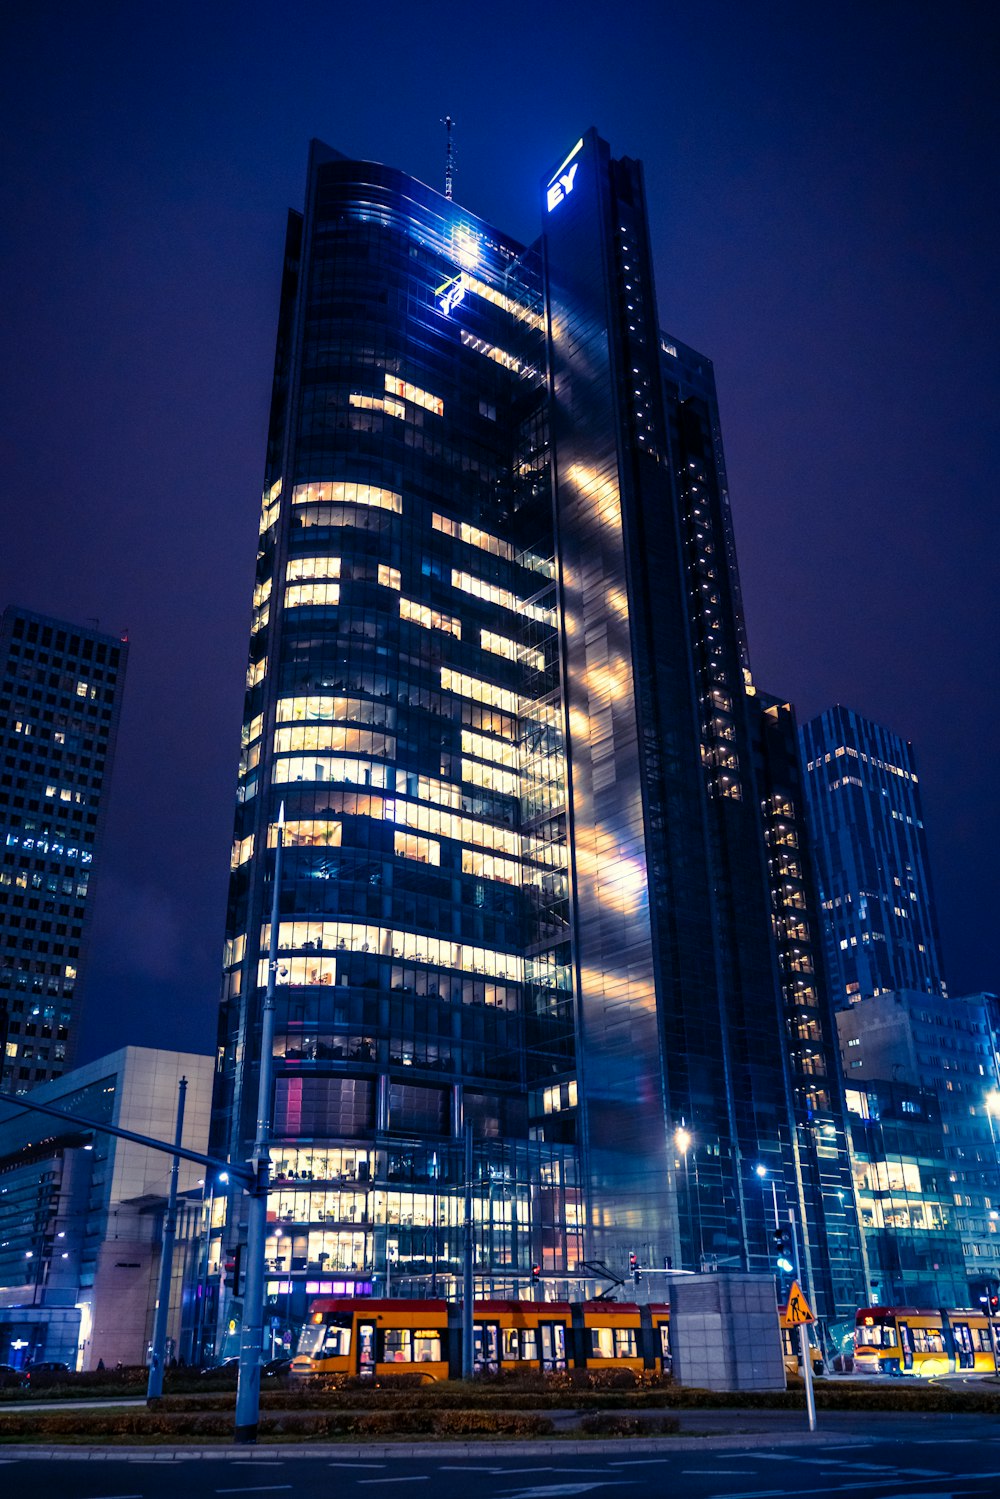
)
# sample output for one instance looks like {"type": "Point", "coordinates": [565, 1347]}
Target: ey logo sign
{"type": "Point", "coordinates": [561, 183]}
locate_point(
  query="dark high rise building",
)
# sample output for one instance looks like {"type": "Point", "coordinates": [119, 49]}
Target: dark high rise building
{"type": "Point", "coordinates": [60, 700]}
{"type": "Point", "coordinates": [867, 825]}
{"type": "Point", "coordinates": [498, 677]}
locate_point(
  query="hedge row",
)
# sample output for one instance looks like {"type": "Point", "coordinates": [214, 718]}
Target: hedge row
{"type": "Point", "coordinates": [94, 1425]}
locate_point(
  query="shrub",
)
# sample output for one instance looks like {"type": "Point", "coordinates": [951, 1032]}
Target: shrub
{"type": "Point", "coordinates": [611, 1424]}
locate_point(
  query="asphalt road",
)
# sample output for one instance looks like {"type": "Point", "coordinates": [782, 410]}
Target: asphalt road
{"type": "Point", "coordinates": [957, 1460]}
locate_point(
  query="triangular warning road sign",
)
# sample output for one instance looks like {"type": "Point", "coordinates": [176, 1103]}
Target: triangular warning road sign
{"type": "Point", "coordinates": [798, 1310]}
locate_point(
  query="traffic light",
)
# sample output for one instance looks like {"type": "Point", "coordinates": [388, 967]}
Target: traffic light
{"type": "Point", "coordinates": [536, 1274]}
{"type": "Point", "coordinates": [781, 1243]}
{"type": "Point", "coordinates": [633, 1264]}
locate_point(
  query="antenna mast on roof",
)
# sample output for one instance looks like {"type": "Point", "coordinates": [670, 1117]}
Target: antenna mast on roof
{"type": "Point", "coordinates": [449, 159]}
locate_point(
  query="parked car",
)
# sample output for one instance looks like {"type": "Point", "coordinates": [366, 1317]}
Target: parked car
{"type": "Point", "coordinates": [46, 1373]}
{"type": "Point", "coordinates": [11, 1378]}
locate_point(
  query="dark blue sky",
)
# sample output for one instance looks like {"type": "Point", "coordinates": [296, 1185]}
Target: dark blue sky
{"type": "Point", "coordinates": [823, 189]}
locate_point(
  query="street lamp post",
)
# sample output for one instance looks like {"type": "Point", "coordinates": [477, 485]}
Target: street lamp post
{"type": "Point", "coordinates": [252, 1334]}
{"type": "Point", "coordinates": [154, 1386]}
{"type": "Point", "coordinates": [682, 1139]}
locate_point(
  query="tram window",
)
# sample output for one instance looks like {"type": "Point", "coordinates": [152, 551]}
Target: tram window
{"type": "Point", "coordinates": [529, 1342]}
{"type": "Point", "coordinates": [624, 1342]}
{"type": "Point", "coordinates": [398, 1346]}
{"type": "Point", "coordinates": [427, 1346]}
{"type": "Point", "coordinates": [983, 1340]}
{"type": "Point", "coordinates": [875, 1337]}
{"type": "Point", "coordinates": [601, 1343]}
{"type": "Point", "coordinates": [665, 1339]}
{"type": "Point", "coordinates": [928, 1340]}
{"type": "Point", "coordinates": [337, 1343]}
{"type": "Point", "coordinates": [511, 1343]}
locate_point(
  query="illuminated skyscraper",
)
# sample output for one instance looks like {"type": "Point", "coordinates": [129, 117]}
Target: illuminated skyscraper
{"type": "Point", "coordinates": [60, 700]}
{"type": "Point", "coordinates": [498, 678]}
{"type": "Point", "coordinates": [875, 880]}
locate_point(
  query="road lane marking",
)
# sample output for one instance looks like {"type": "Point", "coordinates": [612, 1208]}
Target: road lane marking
{"type": "Point", "coordinates": [417, 1478]}
{"type": "Point", "coordinates": [257, 1488]}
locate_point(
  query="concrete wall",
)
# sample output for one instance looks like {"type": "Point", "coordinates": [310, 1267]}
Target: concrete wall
{"type": "Point", "coordinates": [724, 1332]}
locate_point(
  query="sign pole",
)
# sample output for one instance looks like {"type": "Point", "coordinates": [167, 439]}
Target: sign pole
{"type": "Point", "coordinates": [807, 1373]}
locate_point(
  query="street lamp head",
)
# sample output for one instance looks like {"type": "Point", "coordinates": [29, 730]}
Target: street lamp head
{"type": "Point", "coordinates": [223, 1176]}
{"type": "Point", "coordinates": [761, 1171]}
{"type": "Point", "coordinates": [682, 1139]}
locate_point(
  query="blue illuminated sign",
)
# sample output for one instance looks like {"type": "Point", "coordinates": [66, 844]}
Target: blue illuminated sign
{"type": "Point", "coordinates": [563, 179]}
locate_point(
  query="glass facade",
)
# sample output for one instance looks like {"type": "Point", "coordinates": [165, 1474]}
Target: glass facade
{"type": "Point", "coordinates": [498, 679]}
{"type": "Point", "coordinates": [879, 918]}
{"type": "Point", "coordinates": [60, 701]}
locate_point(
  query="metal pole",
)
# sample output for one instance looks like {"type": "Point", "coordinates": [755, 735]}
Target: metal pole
{"type": "Point", "coordinates": [154, 1385]}
{"type": "Point", "coordinates": [252, 1334]}
{"type": "Point", "coordinates": [805, 1350]}
{"type": "Point", "coordinates": [435, 1168]}
{"type": "Point", "coordinates": [807, 1374]}
{"type": "Point", "coordinates": [468, 1278]}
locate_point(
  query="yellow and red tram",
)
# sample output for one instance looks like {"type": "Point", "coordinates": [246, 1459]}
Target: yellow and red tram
{"type": "Point", "coordinates": [376, 1339]}
{"type": "Point", "coordinates": [927, 1342]}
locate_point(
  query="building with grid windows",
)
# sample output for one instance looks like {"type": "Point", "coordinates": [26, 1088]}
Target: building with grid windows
{"type": "Point", "coordinates": [867, 824]}
{"type": "Point", "coordinates": [60, 700]}
{"type": "Point", "coordinates": [499, 681]}
{"type": "Point", "coordinates": [950, 1049]}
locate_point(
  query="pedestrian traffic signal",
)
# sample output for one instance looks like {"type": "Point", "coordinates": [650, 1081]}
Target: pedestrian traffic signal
{"type": "Point", "coordinates": [780, 1241]}
{"type": "Point", "coordinates": [633, 1264]}
{"type": "Point", "coordinates": [536, 1274]}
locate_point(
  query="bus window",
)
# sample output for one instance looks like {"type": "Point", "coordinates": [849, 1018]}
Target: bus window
{"type": "Point", "coordinates": [601, 1343]}
{"type": "Point", "coordinates": [311, 1339]}
{"type": "Point", "coordinates": [625, 1342]}
{"type": "Point", "coordinates": [366, 1350]}
{"type": "Point", "coordinates": [337, 1343]}
{"type": "Point", "coordinates": [553, 1345]}
{"type": "Point", "coordinates": [427, 1346]}
{"type": "Point", "coordinates": [398, 1346]}
{"type": "Point", "coordinates": [486, 1346]}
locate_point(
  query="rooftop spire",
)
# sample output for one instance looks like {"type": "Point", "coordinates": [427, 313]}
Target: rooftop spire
{"type": "Point", "coordinates": [449, 158]}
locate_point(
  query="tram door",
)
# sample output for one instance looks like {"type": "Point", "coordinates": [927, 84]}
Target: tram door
{"type": "Point", "coordinates": [965, 1355]}
{"type": "Point", "coordinates": [553, 1341]}
{"type": "Point", "coordinates": [366, 1350]}
{"type": "Point", "coordinates": [906, 1345]}
{"type": "Point", "coordinates": [486, 1347]}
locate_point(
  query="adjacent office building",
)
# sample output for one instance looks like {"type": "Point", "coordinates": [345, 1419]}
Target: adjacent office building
{"type": "Point", "coordinates": [950, 1049]}
{"type": "Point", "coordinates": [905, 1184]}
{"type": "Point", "coordinates": [81, 1212]}
{"type": "Point", "coordinates": [874, 873]}
{"type": "Point", "coordinates": [498, 679]}
{"type": "Point", "coordinates": [60, 700]}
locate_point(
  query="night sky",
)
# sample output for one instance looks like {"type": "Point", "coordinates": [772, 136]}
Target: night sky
{"type": "Point", "coordinates": [823, 192]}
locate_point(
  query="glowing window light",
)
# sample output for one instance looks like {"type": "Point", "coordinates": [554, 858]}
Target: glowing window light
{"type": "Point", "coordinates": [338, 493]}
{"type": "Point", "coordinates": [312, 567]}
{"type": "Point", "coordinates": [377, 403]}
{"type": "Point", "coordinates": [320, 935]}
{"type": "Point", "coordinates": [412, 846]}
{"type": "Point", "coordinates": [298, 595]}
{"type": "Point", "coordinates": [414, 394]}
{"type": "Point", "coordinates": [493, 594]}
{"type": "Point", "coordinates": [430, 619]}
{"type": "Point", "coordinates": [480, 691]}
